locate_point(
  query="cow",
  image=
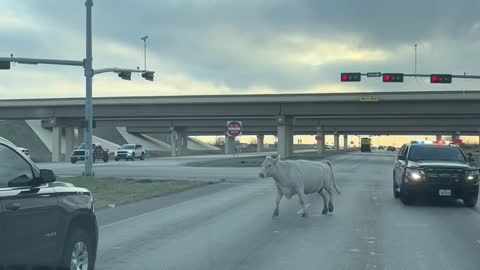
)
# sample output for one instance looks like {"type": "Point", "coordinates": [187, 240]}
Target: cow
{"type": "Point", "coordinates": [301, 177]}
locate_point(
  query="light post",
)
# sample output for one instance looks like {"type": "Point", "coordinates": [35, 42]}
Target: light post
{"type": "Point", "coordinates": [89, 72]}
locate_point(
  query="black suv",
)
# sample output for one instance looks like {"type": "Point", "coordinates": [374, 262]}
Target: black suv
{"type": "Point", "coordinates": [437, 171]}
{"type": "Point", "coordinates": [43, 223]}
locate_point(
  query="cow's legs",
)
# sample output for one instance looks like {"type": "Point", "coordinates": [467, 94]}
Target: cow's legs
{"type": "Point", "coordinates": [301, 198]}
{"type": "Point", "coordinates": [325, 201]}
{"type": "Point", "coordinates": [330, 201]}
{"type": "Point", "coordinates": [277, 201]}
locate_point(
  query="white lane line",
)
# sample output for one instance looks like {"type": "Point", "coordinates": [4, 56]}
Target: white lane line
{"type": "Point", "coordinates": [478, 241]}
{"type": "Point", "coordinates": [146, 213]}
{"type": "Point", "coordinates": [191, 201]}
{"type": "Point", "coordinates": [301, 209]}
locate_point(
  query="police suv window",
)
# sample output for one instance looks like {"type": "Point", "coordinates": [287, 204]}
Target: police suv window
{"type": "Point", "coordinates": [14, 170]}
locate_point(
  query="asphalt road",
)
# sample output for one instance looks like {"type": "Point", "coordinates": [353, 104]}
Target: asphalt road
{"type": "Point", "coordinates": [229, 226]}
{"type": "Point", "coordinates": [170, 168]}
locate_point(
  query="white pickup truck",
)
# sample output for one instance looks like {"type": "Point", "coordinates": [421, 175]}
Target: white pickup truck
{"type": "Point", "coordinates": [130, 152]}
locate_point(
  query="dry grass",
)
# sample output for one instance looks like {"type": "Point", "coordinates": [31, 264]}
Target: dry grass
{"type": "Point", "coordinates": [115, 191]}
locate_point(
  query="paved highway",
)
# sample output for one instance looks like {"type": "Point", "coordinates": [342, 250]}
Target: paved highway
{"type": "Point", "coordinates": [161, 168]}
{"type": "Point", "coordinates": [229, 226]}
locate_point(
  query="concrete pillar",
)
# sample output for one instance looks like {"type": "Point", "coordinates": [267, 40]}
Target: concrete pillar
{"type": "Point", "coordinates": [260, 143]}
{"type": "Point", "coordinates": [80, 136]}
{"type": "Point", "coordinates": [345, 142]}
{"type": "Point", "coordinates": [179, 142]}
{"type": "Point", "coordinates": [56, 144]}
{"type": "Point", "coordinates": [439, 138]}
{"type": "Point", "coordinates": [182, 143]}
{"type": "Point", "coordinates": [229, 145]}
{"type": "Point", "coordinates": [173, 142]}
{"type": "Point", "coordinates": [285, 136]}
{"type": "Point", "coordinates": [336, 141]}
{"type": "Point", "coordinates": [456, 136]}
{"type": "Point", "coordinates": [69, 141]}
{"type": "Point", "coordinates": [321, 143]}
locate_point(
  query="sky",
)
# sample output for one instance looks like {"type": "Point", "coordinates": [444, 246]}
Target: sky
{"type": "Point", "coordinates": [199, 47]}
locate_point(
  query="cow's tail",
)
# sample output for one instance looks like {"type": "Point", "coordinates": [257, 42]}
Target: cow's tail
{"type": "Point", "coordinates": [333, 177]}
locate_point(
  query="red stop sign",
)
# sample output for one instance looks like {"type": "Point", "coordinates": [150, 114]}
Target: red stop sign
{"type": "Point", "coordinates": [234, 128]}
{"type": "Point", "coordinates": [319, 138]}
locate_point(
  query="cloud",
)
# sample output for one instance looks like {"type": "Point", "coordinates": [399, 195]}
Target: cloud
{"type": "Point", "coordinates": [271, 46]}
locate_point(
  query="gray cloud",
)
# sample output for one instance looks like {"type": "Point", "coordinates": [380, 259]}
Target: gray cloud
{"type": "Point", "coordinates": [240, 43]}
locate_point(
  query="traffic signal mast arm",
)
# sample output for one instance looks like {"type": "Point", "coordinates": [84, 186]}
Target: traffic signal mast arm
{"type": "Point", "coordinates": [118, 70]}
{"type": "Point", "coordinates": [36, 61]}
{"type": "Point", "coordinates": [379, 74]}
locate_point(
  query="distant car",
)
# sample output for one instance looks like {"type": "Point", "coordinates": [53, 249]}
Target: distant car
{"type": "Point", "coordinates": [434, 170]}
{"type": "Point", "coordinates": [381, 147]}
{"type": "Point", "coordinates": [391, 148]}
{"type": "Point", "coordinates": [130, 152]}
{"type": "Point", "coordinates": [99, 153]}
{"type": "Point", "coordinates": [25, 151]}
{"type": "Point", "coordinates": [45, 224]}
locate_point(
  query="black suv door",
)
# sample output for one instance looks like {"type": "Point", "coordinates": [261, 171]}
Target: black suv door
{"type": "Point", "coordinates": [30, 214]}
{"type": "Point", "coordinates": [400, 165]}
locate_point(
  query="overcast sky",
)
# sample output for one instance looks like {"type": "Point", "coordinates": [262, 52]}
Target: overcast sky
{"type": "Point", "coordinates": [238, 47]}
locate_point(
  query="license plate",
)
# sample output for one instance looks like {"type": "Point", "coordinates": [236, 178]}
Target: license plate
{"type": "Point", "coordinates": [444, 192]}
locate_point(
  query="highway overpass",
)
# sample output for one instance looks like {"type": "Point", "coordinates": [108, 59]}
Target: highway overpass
{"type": "Point", "coordinates": [448, 112]}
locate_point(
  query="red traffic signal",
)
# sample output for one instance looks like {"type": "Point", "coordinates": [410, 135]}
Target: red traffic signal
{"type": "Point", "coordinates": [441, 78]}
{"type": "Point", "coordinates": [350, 77]}
{"type": "Point", "coordinates": [392, 77]}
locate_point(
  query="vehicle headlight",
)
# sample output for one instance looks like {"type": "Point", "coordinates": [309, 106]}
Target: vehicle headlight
{"type": "Point", "coordinates": [129, 152]}
{"type": "Point", "coordinates": [415, 175]}
{"type": "Point", "coordinates": [472, 175]}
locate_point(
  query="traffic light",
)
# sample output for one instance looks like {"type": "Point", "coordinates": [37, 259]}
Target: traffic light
{"type": "Point", "coordinates": [4, 65]}
{"type": "Point", "coordinates": [350, 77]}
{"type": "Point", "coordinates": [392, 77]}
{"type": "Point", "coordinates": [441, 78]}
{"type": "Point", "coordinates": [125, 75]}
{"type": "Point", "coordinates": [148, 76]}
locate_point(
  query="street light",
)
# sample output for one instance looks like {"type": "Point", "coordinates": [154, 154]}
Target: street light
{"type": "Point", "coordinates": [89, 73]}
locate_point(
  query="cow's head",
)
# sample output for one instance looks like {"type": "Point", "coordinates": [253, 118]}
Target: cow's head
{"type": "Point", "coordinates": [268, 167]}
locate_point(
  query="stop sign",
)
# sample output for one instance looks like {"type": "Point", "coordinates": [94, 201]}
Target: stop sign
{"type": "Point", "coordinates": [234, 128]}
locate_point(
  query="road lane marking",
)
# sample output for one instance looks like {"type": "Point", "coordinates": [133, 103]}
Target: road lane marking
{"type": "Point", "coordinates": [146, 213]}
{"type": "Point", "coordinates": [301, 209]}
{"type": "Point", "coordinates": [478, 241]}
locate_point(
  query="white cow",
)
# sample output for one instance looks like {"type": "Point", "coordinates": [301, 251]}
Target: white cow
{"type": "Point", "coordinates": [300, 177]}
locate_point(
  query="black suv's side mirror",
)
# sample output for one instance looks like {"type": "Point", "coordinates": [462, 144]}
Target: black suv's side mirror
{"type": "Point", "coordinates": [402, 157]}
{"type": "Point", "coordinates": [47, 176]}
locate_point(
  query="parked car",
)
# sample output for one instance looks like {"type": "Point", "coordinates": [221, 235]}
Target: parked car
{"type": "Point", "coordinates": [25, 151]}
{"type": "Point", "coordinates": [130, 152]}
{"type": "Point", "coordinates": [381, 147]}
{"type": "Point", "coordinates": [391, 148]}
{"type": "Point", "coordinates": [45, 224]}
{"type": "Point", "coordinates": [441, 171]}
{"type": "Point", "coordinates": [99, 153]}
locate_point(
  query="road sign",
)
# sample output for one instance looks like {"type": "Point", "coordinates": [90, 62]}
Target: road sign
{"type": "Point", "coordinates": [234, 128]}
{"type": "Point", "coordinates": [319, 138]}
{"type": "Point", "coordinates": [374, 74]}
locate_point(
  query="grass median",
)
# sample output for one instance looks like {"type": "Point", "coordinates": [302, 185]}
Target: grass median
{"type": "Point", "coordinates": [114, 191]}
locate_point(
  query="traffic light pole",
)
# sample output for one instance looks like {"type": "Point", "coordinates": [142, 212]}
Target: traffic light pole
{"type": "Point", "coordinates": [89, 72]}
